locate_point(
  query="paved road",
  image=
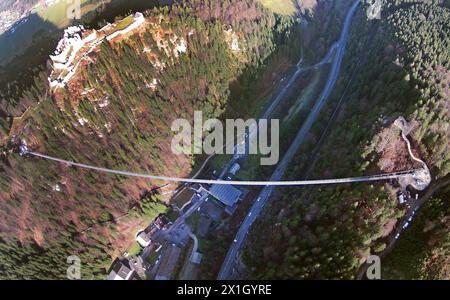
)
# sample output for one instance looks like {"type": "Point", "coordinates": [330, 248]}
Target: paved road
{"type": "Point", "coordinates": [408, 218]}
{"type": "Point", "coordinates": [274, 103]}
{"type": "Point", "coordinates": [195, 206]}
{"type": "Point", "coordinates": [230, 259]}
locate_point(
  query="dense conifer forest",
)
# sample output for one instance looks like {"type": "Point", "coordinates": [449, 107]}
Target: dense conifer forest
{"type": "Point", "coordinates": [328, 232]}
{"type": "Point", "coordinates": [117, 113]}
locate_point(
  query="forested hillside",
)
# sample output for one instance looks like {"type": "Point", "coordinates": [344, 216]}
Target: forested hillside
{"type": "Point", "coordinates": [117, 113]}
{"type": "Point", "coordinates": [403, 68]}
{"type": "Point", "coordinates": [424, 252]}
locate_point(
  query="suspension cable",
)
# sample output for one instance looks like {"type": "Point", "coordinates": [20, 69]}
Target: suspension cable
{"type": "Point", "coordinates": [379, 177]}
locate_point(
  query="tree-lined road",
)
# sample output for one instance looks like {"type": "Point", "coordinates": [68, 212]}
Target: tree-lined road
{"type": "Point", "coordinates": [232, 255]}
{"type": "Point", "coordinates": [274, 103]}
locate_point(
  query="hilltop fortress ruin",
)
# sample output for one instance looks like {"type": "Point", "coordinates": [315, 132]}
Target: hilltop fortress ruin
{"type": "Point", "coordinates": [74, 49]}
{"type": "Point", "coordinates": [77, 44]}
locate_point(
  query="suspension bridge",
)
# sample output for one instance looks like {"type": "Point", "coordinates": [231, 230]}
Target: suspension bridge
{"type": "Point", "coordinates": [415, 173]}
